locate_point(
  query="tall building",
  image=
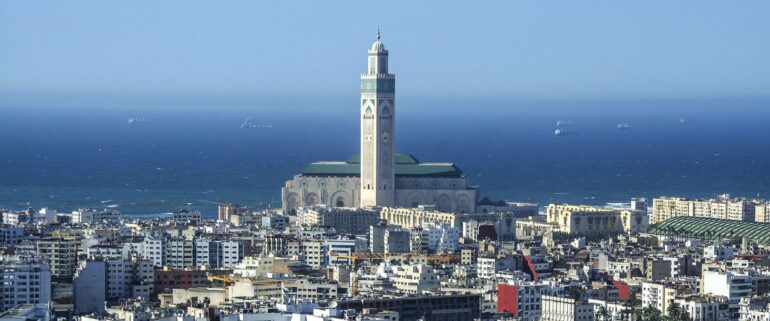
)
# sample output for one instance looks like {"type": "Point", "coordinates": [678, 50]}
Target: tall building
{"type": "Point", "coordinates": [228, 210]}
{"type": "Point", "coordinates": [762, 213]}
{"type": "Point", "coordinates": [378, 110]}
{"type": "Point", "coordinates": [61, 255]}
{"type": "Point", "coordinates": [377, 176]}
{"type": "Point", "coordinates": [89, 287]}
{"type": "Point", "coordinates": [24, 281]}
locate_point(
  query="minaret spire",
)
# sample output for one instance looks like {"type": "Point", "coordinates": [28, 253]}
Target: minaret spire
{"type": "Point", "coordinates": [378, 33]}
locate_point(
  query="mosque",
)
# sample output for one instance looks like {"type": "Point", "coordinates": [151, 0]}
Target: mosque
{"type": "Point", "coordinates": [378, 177]}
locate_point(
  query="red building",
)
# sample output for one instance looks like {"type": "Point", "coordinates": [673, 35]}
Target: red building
{"type": "Point", "coordinates": [507, 299]}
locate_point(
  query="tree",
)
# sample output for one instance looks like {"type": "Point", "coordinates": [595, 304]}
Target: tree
{"type": "Point", "coordinates": [677, 313]}
{"type": "Point", "coordinates": [630, 307]}
{"type": "Point", "coordinates": [674, 310]}
{"type": "Point", "coordinates": [651, 314]}
{"type": "Point", "coordinates": [576, 292]}
{"type": "Point", "coordinates": [602, 314]}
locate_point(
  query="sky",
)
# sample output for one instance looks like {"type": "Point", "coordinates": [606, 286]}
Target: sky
{"type": "Point", "coordinates": [503, 49]}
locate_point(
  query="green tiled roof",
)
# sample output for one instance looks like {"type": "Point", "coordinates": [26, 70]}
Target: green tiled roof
{"type": "Point", "coordinates": [712, 228]}
{"type": "Point", "coordinates": [405, 166]}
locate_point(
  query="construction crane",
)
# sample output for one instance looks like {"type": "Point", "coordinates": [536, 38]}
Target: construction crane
{"type": "Point", "coordinates": [381, 257]}
{"type": "Point", "coordinates": [225, 279]}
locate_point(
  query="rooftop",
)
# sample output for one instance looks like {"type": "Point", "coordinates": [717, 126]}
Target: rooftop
{"type": "Point", "coordinates": [712, 228]}
{"type": "Point", "coordinates": [405, 166]}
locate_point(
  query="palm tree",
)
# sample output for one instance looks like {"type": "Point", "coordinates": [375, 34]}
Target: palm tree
{"type": "Point", "coordinates": [651, 314]}
{"type": "Point", "coordinates": [631, 307]}
{"type": "Point", "coordinates": [602, 314]}
{"type": "Point", "coordinates": [674, 311]}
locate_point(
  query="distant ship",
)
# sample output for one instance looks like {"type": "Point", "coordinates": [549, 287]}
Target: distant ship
{"type": "Point", "coordinates": [562, 128]}
{"type": "Point", "coordinates": [248, 123]}
{"type": "Point", "coordinates": [624, 126]}
{"type": "Point", "coordinates": [136, 120]}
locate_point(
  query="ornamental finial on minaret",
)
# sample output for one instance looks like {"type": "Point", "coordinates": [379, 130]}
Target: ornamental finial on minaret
{"type": "Point", "coordinates": [377, 46]}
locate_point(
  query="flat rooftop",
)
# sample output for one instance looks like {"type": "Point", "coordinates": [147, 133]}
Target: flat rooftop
{"type": "Point", "coordinates": [405, 166]}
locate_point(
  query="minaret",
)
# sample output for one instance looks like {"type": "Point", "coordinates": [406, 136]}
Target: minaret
{"type": "Point", "coordinates": [377, 130]}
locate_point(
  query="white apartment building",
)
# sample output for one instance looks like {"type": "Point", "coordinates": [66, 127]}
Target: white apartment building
{"type": "Point", "coordinates": [528, 298]}
{"type": "Point", "coordinates": [705, 307]}
{"type": "Point", "coordinates": [107, 252]}
{"type": "Point", "coordinates": [660, 295]}
{"type": "Point", "coordinates": [616, 310]}
{"type": "Point", "coordinates": [129, 278]}
{"type": "Point", "coordinates": [757, 309]}
{"type": "Point", "coordinates": [154, 249]}
{"type": "Point", "coordinates": [553, 308]}
{"type": "Point", "coordinates": [487, 267]}
{"type": "Point", "coordinates": [15, 218]}
{"type": "Point", "coordinates": [229, 253]}
{"type": "Point", "coordinates": [24, 281]}
{"type": "Point", "coordinates": [11, 235]}
{"type": "Point", "coordinates": [721, 207]}
{"type": "Point", "coordinates": [314, 289]}
{"type": "Point", "coordinates": [180, 253]}
{"type": "Point", "coordinates": [186, 216]}
{"type": "Point", "coordinates": [719, 252]}
{"type": "Point", "coordinates": [732, 285]}
{"type": "Point", "coordinates": [89, 287]}
{"type": "Point", "coordinates": [339, 251]}
{"type": "Point", "coordinates": [414, 279]}
{"type": "Point", "coordinates": [203, 252]}
{"type": "Point", "coordinates": [90, 216]}
{"type": "Point", "coordinates": [255, 266]}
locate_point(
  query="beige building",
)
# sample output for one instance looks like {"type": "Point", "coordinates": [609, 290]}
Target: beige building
{"type": "Point", "coordinates": [721, 207]}
{"type": "Point", "coordinates": [583, 219]}
{"type": "Point", "coordinates": [250, 288]}
{"type": "Point", "coordinates": [226, 211]}
{"type": "Point", "coordinates": [762, 213]}
{"type": "Point", "coordinates": [553, 308]}
{"type": "Point", "coordinates": [344, 220]}
{"type": "Point", "coordinates": [533, 226]}
{"type": "Point", "coordinates": [314, 289]}
{"type": "Point", "coordinates": [415, 217]}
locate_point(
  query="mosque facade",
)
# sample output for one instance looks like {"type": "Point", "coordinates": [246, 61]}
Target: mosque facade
{"type": "Point", "coordinates": [378, 177]}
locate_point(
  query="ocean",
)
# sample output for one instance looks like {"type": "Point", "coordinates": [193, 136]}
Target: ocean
{"type": "Point", "coordinates": [194, 153]}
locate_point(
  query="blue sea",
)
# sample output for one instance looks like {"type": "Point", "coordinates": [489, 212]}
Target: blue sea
{"type": "Point", "coordinates": [192, 153]}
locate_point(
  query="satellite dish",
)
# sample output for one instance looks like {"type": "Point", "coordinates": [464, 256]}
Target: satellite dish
{"type": "Point", "coordinates": [333, 304]}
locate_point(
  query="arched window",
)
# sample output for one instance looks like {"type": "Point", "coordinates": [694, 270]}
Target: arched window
{"type": "Point", "coordinates": [340, 202]}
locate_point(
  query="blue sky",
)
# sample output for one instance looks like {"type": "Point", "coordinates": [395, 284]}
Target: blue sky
{"type": "Point", "coordinates": [508, 49]}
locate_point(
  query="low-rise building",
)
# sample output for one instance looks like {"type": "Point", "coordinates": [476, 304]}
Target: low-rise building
{"type": "Point", "coordinates": [415, 279]}
{"type": "Point", "coordinates": [553, 308]}
{"type": "Point", "coordinates": [590, 220]}
{"type": "Point", "coordinates": [344, 220]}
